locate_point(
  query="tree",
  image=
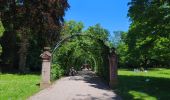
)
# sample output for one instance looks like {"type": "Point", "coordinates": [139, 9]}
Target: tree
{"type": "Point", "coordinates": [116, 37]}
{"type": "Point", "coordinates": [148, 38]}
{"type": "Point", "coordinates": [24, 20]}
{"type": "Point", "coordinates": [122, 49]}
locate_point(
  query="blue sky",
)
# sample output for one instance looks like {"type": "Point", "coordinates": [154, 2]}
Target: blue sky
{"type": "Point", "coordinates": [111, 14]}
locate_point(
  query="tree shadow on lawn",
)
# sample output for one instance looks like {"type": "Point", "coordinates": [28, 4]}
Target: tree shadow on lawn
{"type": "Point", "coordinates": [143, 88]}
{"type": "Point", "coordinates": [16, 72]}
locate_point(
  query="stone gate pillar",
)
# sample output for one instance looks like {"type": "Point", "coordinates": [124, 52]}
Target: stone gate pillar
{"type": "Point", "coordinates": [46, 67]}
{"type": "Point", "coordinates": [113, 69]}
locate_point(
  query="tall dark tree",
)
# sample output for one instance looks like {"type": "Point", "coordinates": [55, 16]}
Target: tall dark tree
{"type": "Point", "coordinates": [25, 19]}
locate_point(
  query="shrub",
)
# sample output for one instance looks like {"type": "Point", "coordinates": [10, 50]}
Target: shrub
{"type": "Point", "coordinates": [56, 71]}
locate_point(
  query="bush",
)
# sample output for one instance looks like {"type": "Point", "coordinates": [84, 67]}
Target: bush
{"type": "Point", "coordinates": [56, 71]}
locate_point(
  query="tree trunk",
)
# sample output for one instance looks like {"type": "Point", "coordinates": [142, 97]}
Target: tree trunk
{"type": "Point", "coordinates": [23, 51]}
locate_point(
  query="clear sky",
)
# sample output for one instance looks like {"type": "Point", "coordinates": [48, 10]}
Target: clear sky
{"type": "Point", "coordinates": [111, 14]}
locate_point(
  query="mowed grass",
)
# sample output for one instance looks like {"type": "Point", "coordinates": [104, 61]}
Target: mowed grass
{"type": "Point", "coordinates": [151, 85]}
{"type": "Point", "coordinates": [18, 87]}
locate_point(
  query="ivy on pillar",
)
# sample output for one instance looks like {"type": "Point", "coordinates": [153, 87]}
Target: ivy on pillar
{"type": "Point", "coordinates": [46, 68]}
{"type": "Point", "coordinates": [113, 69]}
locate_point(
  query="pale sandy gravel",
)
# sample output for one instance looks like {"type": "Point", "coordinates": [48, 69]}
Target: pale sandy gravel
{"type": "Point", "coordinates": [86, 86]}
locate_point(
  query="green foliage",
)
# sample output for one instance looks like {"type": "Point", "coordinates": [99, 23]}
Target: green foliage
{"type": "Point", "coordinates": [71, 27]}
{"type": "Point", "coordinates": [147, 43]}
{"type": "Point", "coordinates": [116, 39]}
{"type": "Point", "coordinates": [98, 32]}
{"type": "Point", "coordinates": [150, 85]}
{"type": "Point", "coordinates": [1, 33]}
{"type": "Point", "coordinates": [90, 48]}
{"type": "Point", "coordinates": [29, 23]}
{"type": "Point", "coordinates": [56, 71]}
{"type": "Point", "coordinates": [149, 34]}
{"type": "Point", "coordinates": [1, 29]}
{"type": "Point", "coordinates": [18, 87]}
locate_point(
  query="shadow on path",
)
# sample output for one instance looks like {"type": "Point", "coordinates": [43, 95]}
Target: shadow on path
{"type": "Point", "coordinates": [84, 86]}
{"type": "Point", "coordinates": [91, 78]}
{"type": "Point", "coordinates": [94, 81]}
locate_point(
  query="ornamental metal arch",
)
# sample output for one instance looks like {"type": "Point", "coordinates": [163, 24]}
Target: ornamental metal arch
{"type": "Point", "coordinates": [112, 57]}
{"type": "Point", "coordinates": [77, 35]}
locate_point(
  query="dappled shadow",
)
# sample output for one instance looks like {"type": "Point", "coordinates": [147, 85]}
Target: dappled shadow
{"type": "Point", "coordinates": [91, 78]}
{"type": "Point", "coordinates": [17, 72]}
{"type": "Point", "coordinates": [104, 96]}
{"type": "Point", "coordinates": [127, 69]}
{"type": "Point", "coordinates": [130, 87]}
{"type": "Point", "coordinates": [94, 81]}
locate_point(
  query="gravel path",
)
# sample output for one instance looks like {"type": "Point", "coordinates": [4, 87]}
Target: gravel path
{"type": "Point", "coordinates": [85, 86]}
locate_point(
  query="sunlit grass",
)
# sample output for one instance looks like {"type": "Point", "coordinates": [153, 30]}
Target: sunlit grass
{"type": "Point", "coordinates": [154, 72]}
{"type": "Point", "coordinates": [150, 85]}
{"type": "Point", "coordinates": [141, 95]}
{"type": "Point", "coordinates": [18, 87]}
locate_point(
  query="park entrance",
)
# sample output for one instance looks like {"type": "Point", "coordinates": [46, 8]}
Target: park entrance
{"type": "Point", "coordinates": [105, 66]}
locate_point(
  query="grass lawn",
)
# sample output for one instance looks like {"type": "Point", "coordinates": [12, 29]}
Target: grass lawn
{"type": "Point", "coordinates": [18, 87]}
{"type": "Point", "coordinates": [151, 85]}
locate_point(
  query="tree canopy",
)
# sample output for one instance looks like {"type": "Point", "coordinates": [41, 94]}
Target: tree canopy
{"type": "Point", "coordinates": [29, 26]}
{"type": "Point", "coordinates": [26, 26]}
{"type": "Point", "coordinates": [147, 43]}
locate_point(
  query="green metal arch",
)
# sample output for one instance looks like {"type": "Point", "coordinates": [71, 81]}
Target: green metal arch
{"type": "Point", "coordinates": [76, 35]}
